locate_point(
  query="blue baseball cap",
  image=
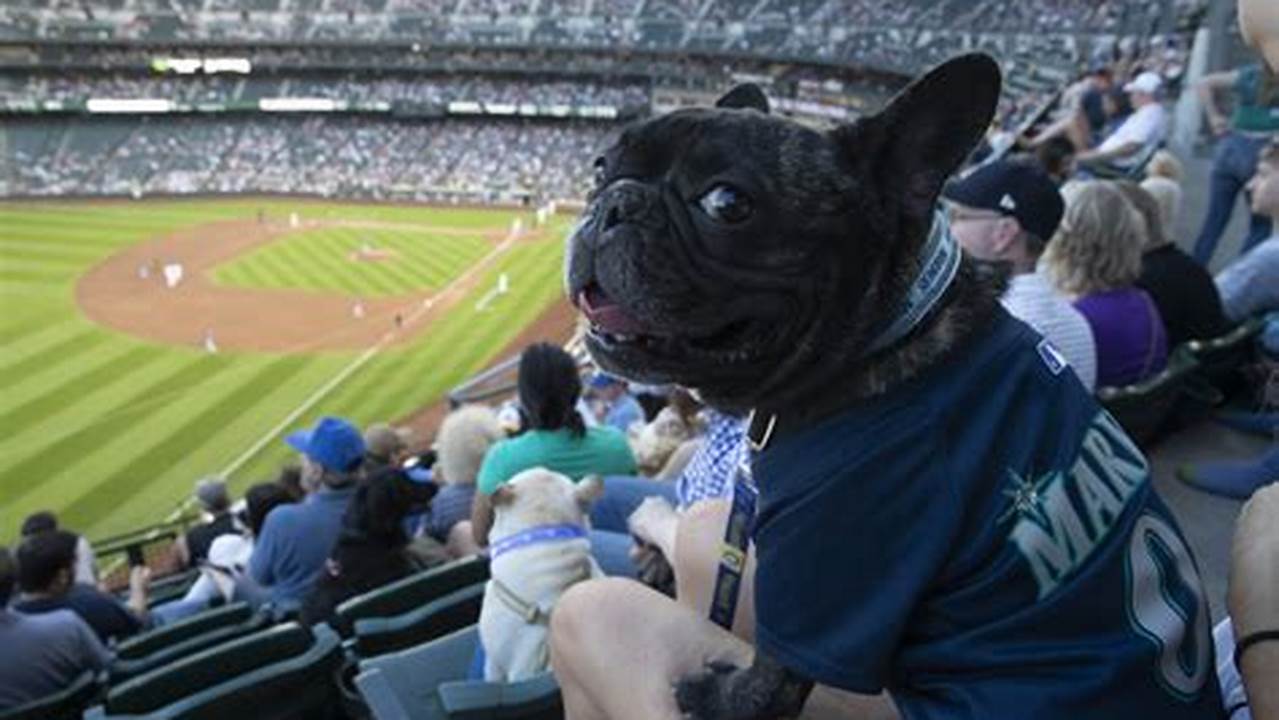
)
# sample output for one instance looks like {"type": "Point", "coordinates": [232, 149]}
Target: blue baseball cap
{"type": "Point", "coordinates": [602, 380]}
{"type": "Point", "coordinates": [333, 443]}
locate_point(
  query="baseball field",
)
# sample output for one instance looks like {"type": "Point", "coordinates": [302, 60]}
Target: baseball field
{"type": "Point", "coordinates": [121, 386]}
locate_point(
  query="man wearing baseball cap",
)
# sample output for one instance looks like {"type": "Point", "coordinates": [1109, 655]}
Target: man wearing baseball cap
{"type": "Point", "coordinates": [289, 555]}
{"type": "Point", "coordinates": [1006, 212]}
{"type": "Point", "coordinates": [1145, 128]}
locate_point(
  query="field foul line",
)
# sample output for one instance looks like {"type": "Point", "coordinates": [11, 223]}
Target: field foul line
{"type": "Point", "coordinates": [341, 377]}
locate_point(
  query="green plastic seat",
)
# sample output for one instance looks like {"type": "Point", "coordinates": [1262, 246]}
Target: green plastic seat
{"type": "Point", "coordinates": [66, 705]}
{"type": "Point", "coordinates": [234, 670]}
{"type": "Point", "coordinates": [427, 683]}
{"type": "Point", "coordinates": [217, 627]}
{"type": "Point", "coordinates": [454, 611]}
{"type": "Point", "coordinates": [410, 593]}
{"type": "Point", "coordinates": [1220, 358]}
{"type": "Point", "coordinates": [156, 640]}
{"type": "Point", "coordinates": [1144, 409]}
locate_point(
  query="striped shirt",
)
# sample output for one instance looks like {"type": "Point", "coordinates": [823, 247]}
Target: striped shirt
{"type": "Point", "coordinates": [1031, 299]}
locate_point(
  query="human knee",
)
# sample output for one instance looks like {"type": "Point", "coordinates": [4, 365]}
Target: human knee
{"type": "Point", "coordinates": [583, 609]}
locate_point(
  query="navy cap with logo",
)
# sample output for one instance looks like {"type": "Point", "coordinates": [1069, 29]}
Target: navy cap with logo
{"type": "Point", "coordinates": [333, 443]}
{"type": "Point", "coordinates": [1017, 189]}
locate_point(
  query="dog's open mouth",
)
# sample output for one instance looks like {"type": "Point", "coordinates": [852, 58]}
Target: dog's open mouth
{"type": "Point", "coordinates": [613, 326]}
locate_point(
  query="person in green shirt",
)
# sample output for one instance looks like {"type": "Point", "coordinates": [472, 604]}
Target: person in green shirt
{"type": "Point", "coordinates": [556, 438]}
{"type": "Point", "coordinates": [1242, 135]}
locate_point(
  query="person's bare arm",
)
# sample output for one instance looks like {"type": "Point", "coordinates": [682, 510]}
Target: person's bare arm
{"type": "Point", "coordinates": [1253, 598]}
{"type": "Point", "coordinates": [481, 518]}
{"type": "Point", "coordinates": [1116, 152]}
{"type": "Point", "coordinates": [139, 590]}
{"type": "Point", "coordinates": [1207, 88]}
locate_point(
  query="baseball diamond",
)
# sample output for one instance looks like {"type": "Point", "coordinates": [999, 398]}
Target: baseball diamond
{"type": "Point", "coordinates": [107, 369]}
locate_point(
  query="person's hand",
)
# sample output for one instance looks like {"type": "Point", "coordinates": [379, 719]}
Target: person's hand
{"type": "Point", "coordinates": [651, 520]}
{"type": "Point", "coordinates": [139, 579]}
{"type": "Point", "coordinates": [1219, 124]}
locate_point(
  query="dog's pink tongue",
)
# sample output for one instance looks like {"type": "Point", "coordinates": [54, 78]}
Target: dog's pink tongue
{"type": "Point", "coordinates": [605, 314]}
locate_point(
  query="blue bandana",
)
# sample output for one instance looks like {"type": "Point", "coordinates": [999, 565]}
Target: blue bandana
{"type": "Point", "coordinates": [535, 536]}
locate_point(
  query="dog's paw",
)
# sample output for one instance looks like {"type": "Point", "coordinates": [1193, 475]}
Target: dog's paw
{"type": "Point", "coordinates": [705, 696]}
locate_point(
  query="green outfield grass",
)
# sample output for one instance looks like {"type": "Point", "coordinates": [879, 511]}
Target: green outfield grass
{"type": "Point", "coordinates": [110, 431]}
{"type": "Point", "coordinates": [416, 258]}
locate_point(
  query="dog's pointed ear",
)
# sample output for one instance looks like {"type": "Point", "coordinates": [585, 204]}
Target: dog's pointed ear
{"type": "Point", "coordinates": [588, 490]}
{"type": "Point", "coordinates": [747, 96]}
{"type": "Point", "coordinates": [504, 495]}
{"type": "Point", "coordinates": [926, 132]}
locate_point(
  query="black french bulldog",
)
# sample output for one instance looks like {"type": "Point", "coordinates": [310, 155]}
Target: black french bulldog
{"type": "Point", "coordinates": [753, 260]}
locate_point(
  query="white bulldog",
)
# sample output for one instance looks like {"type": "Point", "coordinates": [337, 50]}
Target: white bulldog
{"type": "Point", "coordinates": [539, 547]}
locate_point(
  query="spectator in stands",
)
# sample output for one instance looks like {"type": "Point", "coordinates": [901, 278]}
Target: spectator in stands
{"type": "Point", "coordinates": [41, 654]}
{"type": "Point", "coordinates": [1084, 117]}
{"type": "Point", "coordinates": [557, 439]}
{"type": "Point", "coordinates": [290, 478]}
{"type": "Point", "coordinates": [464, 437]}
{"type": "Point", "coordinates": [86, 563]}
{"type": "Point", "coordinates": [289, 554]}
{"type": "Point", "coordinates": [1183, 291]}
{"type": "Point", "coordinates": [1095, 258]}
{"type": "Point", "coordinates": [1057, 158]}
{"type": "Point", "coordinates": [1163, 182]}
{"type": "Point", "coordinates": [1145, 128]}
{"type": "Point", "coordinates": [224, 574]}
{"type": "Point", "coordinates": [1005, 212]}
{"type": "Point", "coordinates": [656, 445]}
{"type": "Point", "coordinates": [1255, 97]}
{"type": "Point", "coordinates": [1250, 286]}
{"type": "Point", "coordinates": [46, 563]}
{"type": "Point", "coordinates": [612, 404]}
{"type": "Point", "coordinates": [215, 504]}
{"type": "Point", "coordinates": [385, 446]}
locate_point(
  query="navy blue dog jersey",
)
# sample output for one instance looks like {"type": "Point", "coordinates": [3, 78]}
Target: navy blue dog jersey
{"type": "Point", "coordinates": [985, 543]}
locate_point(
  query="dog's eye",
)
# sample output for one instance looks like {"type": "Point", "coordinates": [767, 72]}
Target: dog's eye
{"type": "Point", "coordinates": [599, 171]}
{"type": "Point", "coordinates": [726, 203]}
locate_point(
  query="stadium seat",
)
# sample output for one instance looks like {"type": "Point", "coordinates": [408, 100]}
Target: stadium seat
{"type": "Point", "coordinates": [66, 705]}
{"type": "Point", "coordinates": [1220, 358]}
{"type": "Point", "coordinates": [425, 683]}
{"type": "Point", "coordinates": [171, 587]}
{"type": "Point", "coordinates": [151, 642]}
{"type": "Point", "coordinates": [283, 672]}
{"type": "Point", "coordinates": [410, 593]}
{"type": "Point", "coordinates": [458, 609]}
{"type": "Point", "coordinates": [1144, 409]}
{"type": "Point", "coordinates": [162, 646]}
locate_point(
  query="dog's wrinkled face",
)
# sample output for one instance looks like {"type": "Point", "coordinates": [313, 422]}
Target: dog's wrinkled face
{"type": "Point", "coordinates": [725, 249]}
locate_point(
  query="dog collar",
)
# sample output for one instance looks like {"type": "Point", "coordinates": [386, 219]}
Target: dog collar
{"type": "Point", "coordinates": [941, 262]}
{"type": "Point", "coordinates": [534, 536]}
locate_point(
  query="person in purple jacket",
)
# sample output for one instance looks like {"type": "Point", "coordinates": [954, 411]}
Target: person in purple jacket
{"type": "Point", "coordinates": [1095, 258]}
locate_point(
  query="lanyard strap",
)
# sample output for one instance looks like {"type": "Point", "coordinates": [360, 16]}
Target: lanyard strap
{"type": "Point", "coordinates": [732, 558]}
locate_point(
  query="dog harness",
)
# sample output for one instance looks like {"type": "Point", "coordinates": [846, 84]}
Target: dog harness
{"type": "Point", "coordinates": [531, 612]}
{"type": "Point", "coordinates": [941, 258]}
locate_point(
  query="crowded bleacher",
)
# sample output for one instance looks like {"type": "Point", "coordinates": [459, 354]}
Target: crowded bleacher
{"type": "Point", "coordinates": [353, 584]}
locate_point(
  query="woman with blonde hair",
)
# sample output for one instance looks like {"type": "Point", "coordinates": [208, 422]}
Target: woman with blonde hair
{"type": "Point", "coordinates": [1095, 258]}
{"type": "Point", "coordinates": [464, 437]}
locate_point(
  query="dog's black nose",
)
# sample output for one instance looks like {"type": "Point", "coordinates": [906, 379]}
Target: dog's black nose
{"type": "Point", "coordinates": [625, 201]}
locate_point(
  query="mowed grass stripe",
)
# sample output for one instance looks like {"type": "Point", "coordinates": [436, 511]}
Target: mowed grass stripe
{"type": "Point", "coordinates": [73, 349]}
{"type": "Point", "coordinates": [80, 389]}
{"type": "Point", "coordinates": [162, 455]}
{"type": "Point", "coordinates": [51, 458]}
{"type": "Point", "coordinates": [46, 250]}
{"type": "Point", "coordinates": [34, 323]}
